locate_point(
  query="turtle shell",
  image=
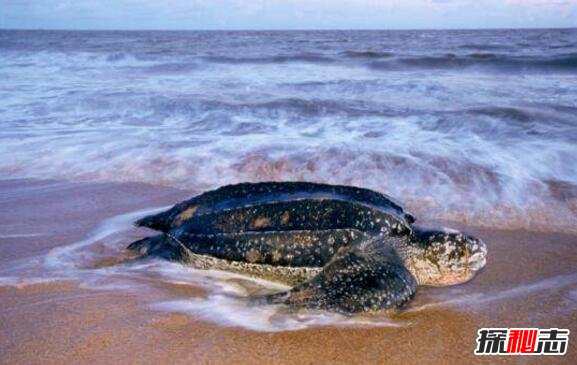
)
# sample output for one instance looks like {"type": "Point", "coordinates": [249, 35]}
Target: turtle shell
{"type": "Point", "coordinates": [294, 224]}
{"type": "Point", "coordinates": [244, 195]}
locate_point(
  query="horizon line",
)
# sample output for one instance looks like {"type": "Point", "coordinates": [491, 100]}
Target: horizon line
{"type": "Point", "coordinates": [277, 30]}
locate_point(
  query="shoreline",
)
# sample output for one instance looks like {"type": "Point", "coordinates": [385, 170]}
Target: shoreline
{"type": "Point", "coordinates": [529, 281]}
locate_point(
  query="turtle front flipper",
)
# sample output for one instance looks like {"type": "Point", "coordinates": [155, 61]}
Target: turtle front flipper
{"type": "Point", "coordinates": [367, 277]}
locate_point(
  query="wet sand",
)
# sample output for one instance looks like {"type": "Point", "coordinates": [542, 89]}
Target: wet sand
{"type": "Point", "coordinates": [530, 281]}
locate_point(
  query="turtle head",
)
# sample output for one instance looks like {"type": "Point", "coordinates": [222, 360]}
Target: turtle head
{"type": "Point", "coordinates": [444, 257]}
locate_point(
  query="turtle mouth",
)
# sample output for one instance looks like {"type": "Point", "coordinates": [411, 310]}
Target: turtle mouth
{"type": "Point", "coordinates": [476, 264]}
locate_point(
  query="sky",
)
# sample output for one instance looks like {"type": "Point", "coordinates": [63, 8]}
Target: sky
{"type": "Point", "coordinates": [286, 14]}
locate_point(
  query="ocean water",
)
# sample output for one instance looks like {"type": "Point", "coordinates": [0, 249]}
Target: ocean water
{"type": "Point", "coordinates": [478, 127]}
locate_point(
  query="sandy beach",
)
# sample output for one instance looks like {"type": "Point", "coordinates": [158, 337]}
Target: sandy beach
{"type": "Point", "coordinates": [529, 281]}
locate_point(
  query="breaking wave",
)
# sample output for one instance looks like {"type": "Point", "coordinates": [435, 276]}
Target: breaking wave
{"type": "Point", "coordinates": [497, 62]}
{"type": "Point", "coordinates": [312, 58]}
{"type": "Point", "coordinates": [475, 127]}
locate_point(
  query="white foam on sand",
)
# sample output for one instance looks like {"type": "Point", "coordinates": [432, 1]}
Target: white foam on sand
{"type": "Point", "coordinates": [66, 256]}
{"type": "Point", "coordinates": [21, 282]}
{"type": "Point", "coordinates": [234, 312]}
{"type": "Point", "coordinates": [21, 235]}
{"type": "Point", "coordinates": [477, 299]}
{"type": "Point", "coordinates": [229, 303]}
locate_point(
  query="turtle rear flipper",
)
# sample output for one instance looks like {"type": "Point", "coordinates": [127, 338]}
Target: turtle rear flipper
{"type": "Point", "coordinates": [158, 222]}
{"type": "Point", "coordinates": [366, 277]}
{"type": "Point", "coordinates": [161, 246]}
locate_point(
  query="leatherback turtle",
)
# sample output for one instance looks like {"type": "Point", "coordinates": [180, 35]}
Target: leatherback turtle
{"type": "Point", "coordinates": [342, 248]}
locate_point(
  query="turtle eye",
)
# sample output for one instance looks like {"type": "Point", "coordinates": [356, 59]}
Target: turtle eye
{"type": "Point", "coordinates": [409, 218]}
{"type": "Point", "coordinates": [401, 229]}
